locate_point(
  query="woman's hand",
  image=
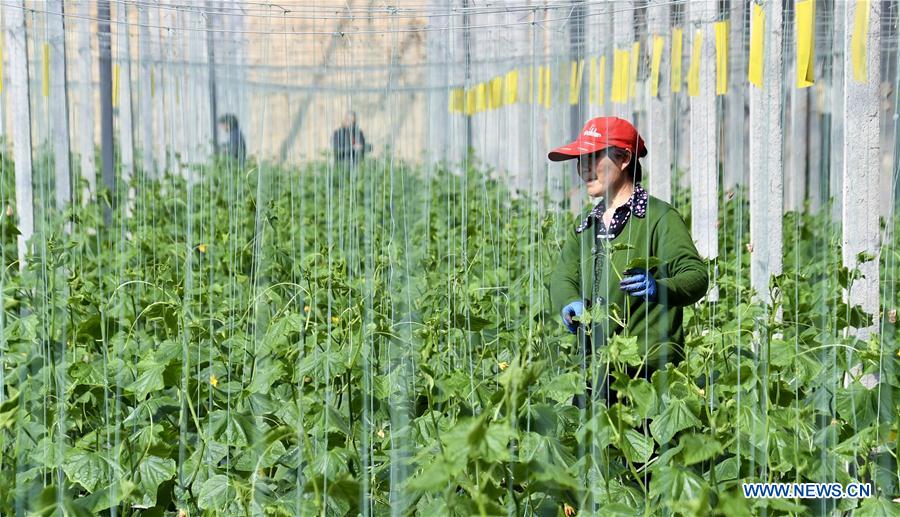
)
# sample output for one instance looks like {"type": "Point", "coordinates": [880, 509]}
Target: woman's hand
{"type": "Point", "coordinates": [574, 309]}
{"type": "Point", "coordinates": [640, 283]}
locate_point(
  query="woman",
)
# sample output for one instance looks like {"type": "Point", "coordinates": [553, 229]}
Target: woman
{"type": "Point", "coordinates": [666, 272]}
{"type": "Point", "coordinates": [234, 145]}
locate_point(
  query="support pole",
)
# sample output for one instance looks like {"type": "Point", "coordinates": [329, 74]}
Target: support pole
{"type": "Point", "coordinates": [835, 104]}
{"type": "Point", "coordinates": [659, 117]}
{"type": "Point", "coordinates": [795, 179]}
{"type": "Point", "coordinates": [107, 149]}
{"type": "Point", "coordinates": [126, 119]}
{"type": "Point", "coordinates": [438, 80]}
{"type": "Point", "coordinates": [148, 162]}
{"type": "Point", "coordinates": [734, 172]}
{"type": "Point", "coordinates": [211, 63]}
{"type": "Point", "coordinates": [86, 114]}
{"type": "Point", "coordinates": [59, 104]}
{"type": "Point", "coordinates": [862, 163]}
{"type": "Point", "coordinates": [704, 147]}
{"type": "Point", "coordinates": [17, 48]}
{"type": "Point", "coordinates": [161, 90]}
{"type": "Point", "coordinates": [767, 165]}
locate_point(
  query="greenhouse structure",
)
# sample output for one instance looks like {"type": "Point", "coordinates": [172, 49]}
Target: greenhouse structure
{"type": "Point", "coordinates": [450, 257]}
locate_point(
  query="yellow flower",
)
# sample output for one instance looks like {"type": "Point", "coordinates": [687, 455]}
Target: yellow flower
{"type": "Point", "coordinates": [335, 320]}
{"type": "Point", "coordinates": [306, 309]}
{"type": "Point", "coordinates": [213, 380]}
{"type": "Point", "coordinates": [503, 365]}
{"type": "Point", "coordinates": [568, 510]}
{"type": "Point", "coordinates": [9, 211]}
{"type": "Point", "coordinates": [380, 433]}
{"type": "Point", "coordinates": [835, 421]}
{"type": "Point", "coordinates": [201, 248]}
{"type": "Point", "coordinates": [182, 513]}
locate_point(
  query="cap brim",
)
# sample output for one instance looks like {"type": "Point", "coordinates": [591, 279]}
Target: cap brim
{"type": "Point", "coordinates": [573, 150]}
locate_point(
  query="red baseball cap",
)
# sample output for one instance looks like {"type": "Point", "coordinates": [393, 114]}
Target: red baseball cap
{"type": "Point", "coordinates": [598, 134]}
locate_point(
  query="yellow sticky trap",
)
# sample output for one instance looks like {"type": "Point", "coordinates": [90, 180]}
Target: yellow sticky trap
{"type": "Point", "coordinates": [694, 70]}
{"type": "Point", "coordinates": [633, 69]}
{"type": "Point", "coordinates": [601, 91]}
{"type": "Point", "coordinates": [496, 97]}
{"type": "Point", "coordinates": [540, 87]}
{"type": "Point", "coordinates": [659, 44]}
{"type": "Point", "coordinates": [859, 44]}
{"type": "Point", "coordinates": [575, 77]}
{"type": "Point", "coordinates": [677, 37]}
{"type": "Point", "coordinates": [533, 84]}
{"type": "Point", "coordinates": [152, 84]}
{"type": "Point", "coordinates": [511, 87]}
{"type": "Point", "coordinates": [621, 64]}
{"type": "Point", "coordinates": [573, 86]}
{"type": "Point", "coordinates": [580, 75]}
{"type": "Point", "coordinates": [45, 66]}
{"type": "Point", "coordinates": [757, 33]}
{"type": "Point", "coordinates": [115, 85]}
{"type": "Point", "coordinates": [457, 100]}
{"type": "Point", "coordinates": [806, 31]}
{"type": "Point", "coordinates": [721, 29]}
{"type": "Point", "coordinates": [548, 87]}
{"type": "Point", "coordinates": [480, 97]}
{"type": "Point", "coordinates": [592, 82]}
{"type": "Point", "coordinates": [470, 101]}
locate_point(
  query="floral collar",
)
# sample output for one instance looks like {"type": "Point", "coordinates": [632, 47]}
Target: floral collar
{"type": "Point", "coordinates": [636, 204]}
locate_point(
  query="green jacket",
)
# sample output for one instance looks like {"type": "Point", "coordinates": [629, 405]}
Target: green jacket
{"type": "Point", "coordinates": [681, 276]}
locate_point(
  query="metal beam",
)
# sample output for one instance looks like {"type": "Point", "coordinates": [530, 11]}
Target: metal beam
{"type": "Point", "coordinates": [300, 117]}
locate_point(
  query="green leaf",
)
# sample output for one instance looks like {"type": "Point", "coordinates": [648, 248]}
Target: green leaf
{"type": "Point", "coordinates": [643, 397]}
{"type": "Point", "coordinates": [148, 382]}
{"type": "Point", "coordinates": [152, 471]}
{"type": "Point", "coordinates": [562, 388]}
{"type": "Point", "coordinates": [472, 322]}
{"type": "Point", "coordinates": [9, 411]}
{"type": "Point", "coordinates": [676, 484]}
{"type": "Point", "coordinates": [698, 447]}
{"type": "Point", "coordinates": [676, 417]}
{"type": "Point", "coordinates": [635, 446]}
{"type": "Point", "coordinates": [108, 496]}
{"type": "Point", "coordinates": [51, 502]}
{"type": "Point", "coordinates": [645, 263]}
{"type": "Point", "coordinates": [616, 510]}
{"type": "Point", "coordinates": [624, 349]}
{"type": "Point", "coordinates": [265, 374]}
{"type": "Point", "coordinates": [727, 470]}
{"type": "Point", "coordinates": [88, 469]}
{"type": "Point", "coordinates": [216, 493]}
{"type": "Point", "coordinates": [878, 507]}
{"type": "Point", "coordinates": [865, 256]}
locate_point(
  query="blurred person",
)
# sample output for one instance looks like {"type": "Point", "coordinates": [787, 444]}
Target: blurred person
{"type": "Point", "coordinates": [234, 145]}
{"type": "Point", "coordinates": [593, 271]}
{"type": "Point", "coordinates": [348, 142]}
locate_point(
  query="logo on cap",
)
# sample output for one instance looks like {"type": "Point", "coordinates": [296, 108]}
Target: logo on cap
{"type": "Point", "coordinates": [592, 132]}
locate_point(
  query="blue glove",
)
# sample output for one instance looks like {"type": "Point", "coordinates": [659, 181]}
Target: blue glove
{"type": "Point", "coordinates": [575, 308]}
{"type": "Point", "coordinates": [640, 283]}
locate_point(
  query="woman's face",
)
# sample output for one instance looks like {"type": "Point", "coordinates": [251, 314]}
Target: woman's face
{"type": "Point", "coordinates": [601, 174]}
